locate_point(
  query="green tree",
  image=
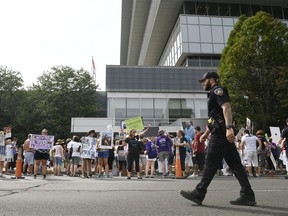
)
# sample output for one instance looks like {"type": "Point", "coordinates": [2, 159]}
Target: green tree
{"type": "Point", "coordinates": [11, 97]}
{"type": "Point", "coordinates": [60, 94]}
{"type": "Point", "coordinates": [254, 67]}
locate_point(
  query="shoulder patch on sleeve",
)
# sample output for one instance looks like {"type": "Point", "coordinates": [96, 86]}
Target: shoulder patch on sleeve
{"type": "Point", "coordinates": [218, 91]}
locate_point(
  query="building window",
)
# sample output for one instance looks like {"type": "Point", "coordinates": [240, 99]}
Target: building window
{"type": "Point", "coordinates": [193, 61]}
{"type": "Point", "coordinates": [267, 9]}
{"type": "Point", "coordinates": [255, 9]}
{"type": "Point", "coordinates": [215, 61]}
{"type": "Point", "coordinates": [147, 108]}
{"type": "Point", "coordinates": [201, 8]}
{"type": "Point", "coordinates": [205, 62]}
{"type": "Point", "coordinates": [133, 107]}
{"type": "Point", "coordinates": [190, 8]}
{"type": "Point", "coordinates": [224, 10]}
{"type": "Point", "coordinates": [213, 9]}
{"type": "Point", "coordinates": [285, 10]}
{"type": "Point", "coordinates": [245, 9]}
{"type": "Point", "coordinates": [277, 12]}
{"type": "Point", "coordinates": [235, 10]}
{"type": "Point", "coordinates": [119, 106]}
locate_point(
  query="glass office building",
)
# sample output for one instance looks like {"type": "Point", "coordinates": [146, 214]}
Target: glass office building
{"type": "Point", "coordinates": [166, 47]}
{"type": "Point", "coordinates": [161, 95]}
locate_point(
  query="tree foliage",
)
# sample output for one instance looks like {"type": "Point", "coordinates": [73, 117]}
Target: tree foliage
{"type": "Point", "coordinates": [60, 94]}
{"type": "Point", "coordinates": [11, 96]}
{"type": "Point", "coordinates": [56, 97]}
{"type": "Point", "coordinates": [254, 67]}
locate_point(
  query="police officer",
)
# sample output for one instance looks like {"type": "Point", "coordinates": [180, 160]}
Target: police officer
{"type": "Point", "coordinates": [283, 142]}
{"type": "Point", "coordinates": [220, 145]}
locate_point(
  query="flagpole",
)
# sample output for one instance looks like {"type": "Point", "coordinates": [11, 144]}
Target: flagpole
{"type": "Point", "coordinates": [93, 72]}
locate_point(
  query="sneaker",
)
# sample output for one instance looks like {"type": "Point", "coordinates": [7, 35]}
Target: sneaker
{"type": "Point", "coordinates": [2, 176]}
{"type": "Point", "coordinates": [243, 201]}
{"type": "Point", "coordinates": [109, 176]}
{"type": "Point", "coordinates": [146, 176]}
{"type": "Point", "coordinates": [28, 174]}
{"type": "Point", "coordinates": [34, 177]}
{"type": "Point", "coordinates": [44, 176]}
{"type": "Point", "coordinates": [193, 176]}
{"type": "Point", "coordinates": [193, 196]}
{"type": "Point", "coordinates": [99, 176]}
{"type": "Point", "coordinates": [140, 177]}
{"type": "Point", "coordinates": [171, 174]}
{"type": "Point", "coordinates": [128, 177]}
{"type": "Point", "coordinates": [151, 176]}
{"type": "Point", "coordinates": [83, 177]}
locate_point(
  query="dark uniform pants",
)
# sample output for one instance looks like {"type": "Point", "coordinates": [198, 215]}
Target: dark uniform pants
{"type": "Point", "coordinates": [219, 148]}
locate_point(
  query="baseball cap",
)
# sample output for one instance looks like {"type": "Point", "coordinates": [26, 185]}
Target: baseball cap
{"type": "Point", "coordinates": [209, 75]}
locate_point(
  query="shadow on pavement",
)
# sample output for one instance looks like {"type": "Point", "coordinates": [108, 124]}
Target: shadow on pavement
{"type": "Point", "coordinates": [258, 209]}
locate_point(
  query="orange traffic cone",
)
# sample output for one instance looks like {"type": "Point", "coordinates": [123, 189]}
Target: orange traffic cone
{"type": "Point", "coordinates": [18, 172]}
{"type": "Point", "coordinates": [178, 172]}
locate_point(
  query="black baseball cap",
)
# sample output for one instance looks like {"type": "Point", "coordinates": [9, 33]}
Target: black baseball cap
{"type": "Point", "coordinates": [209, 75]}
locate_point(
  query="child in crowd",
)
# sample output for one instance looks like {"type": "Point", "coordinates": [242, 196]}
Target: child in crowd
{"type": "Point", "coordinates": [151, 152]}
{"type": "Point", "coordinates": [9, 155]}
{"type": "Point", "coordinates": [59, 156]}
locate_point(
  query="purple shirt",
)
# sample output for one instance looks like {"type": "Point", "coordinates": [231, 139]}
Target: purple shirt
{"type": "Point", "coordinates": [164, 143]}
{"type": "Point", "coordinates": [151, 150]}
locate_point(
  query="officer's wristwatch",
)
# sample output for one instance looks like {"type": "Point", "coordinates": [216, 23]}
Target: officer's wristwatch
{"type": "Point", "coordinates": [229, 126]}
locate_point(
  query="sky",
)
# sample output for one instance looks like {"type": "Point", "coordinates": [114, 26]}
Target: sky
{"type": "Point", "coordinates": [39, 34]}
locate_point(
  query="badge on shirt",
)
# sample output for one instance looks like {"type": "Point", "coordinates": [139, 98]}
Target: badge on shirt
{"type": "Point", "coordinates": [218, 91]}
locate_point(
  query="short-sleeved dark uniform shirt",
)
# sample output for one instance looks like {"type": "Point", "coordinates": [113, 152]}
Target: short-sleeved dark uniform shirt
{"type": "Point", "coordinates": [284, 135]}
{"type": "Point", "coordinates": [217, 97]}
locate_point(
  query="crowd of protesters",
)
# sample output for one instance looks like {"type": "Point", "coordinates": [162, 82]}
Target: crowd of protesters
{"type": "Point", "coordinates": [144, 156]}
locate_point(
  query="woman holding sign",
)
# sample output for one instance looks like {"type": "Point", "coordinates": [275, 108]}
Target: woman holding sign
{"type": "Point", "coordinates": [87, 159]}
{"type": "Point", "coordinates": [41, 156]}
{"type": "Point", "coordinates": [134, 150]}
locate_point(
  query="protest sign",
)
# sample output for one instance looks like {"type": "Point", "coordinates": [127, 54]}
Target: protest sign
{"type": "Point", "coordinates": [41, 141]}
{"type": "Point", "coordinates": [106, 140]}
{"type": "Point", "coordinates": [239, 134]}
{"type": "Point", "coordinates": [122, 125]}
{"type": "Point", "coordinates": [109, 127]}
{"type": "Point", "coordinates": [8, 132]}
{"type": "Point", "coordinates": [275, 134]}
{"type": "Point", "coordinates": [89, 148]}
{"type": "Point", "coordinates": [273, 161]}
{"type": "Point", "coordinates": [134, 123]}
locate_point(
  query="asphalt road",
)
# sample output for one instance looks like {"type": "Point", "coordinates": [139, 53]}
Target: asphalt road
{"type": "Point", "coordinates": [118, 196]}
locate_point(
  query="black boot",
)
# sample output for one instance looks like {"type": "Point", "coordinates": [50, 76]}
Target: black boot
{"type": "Point", "coordinates": [193, 196]}
{"type": "Point", "coordinates": [247, 201]}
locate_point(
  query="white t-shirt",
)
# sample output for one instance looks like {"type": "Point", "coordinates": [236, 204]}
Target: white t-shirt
{"type": "Point", "coordinates": [250, 143]}
{"type": "Point", "coordinates": [75, 146]}
{"type": "Point", "coordinates": [58, 151]}
{"type": "Point", "coordinates": [9, 151]}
